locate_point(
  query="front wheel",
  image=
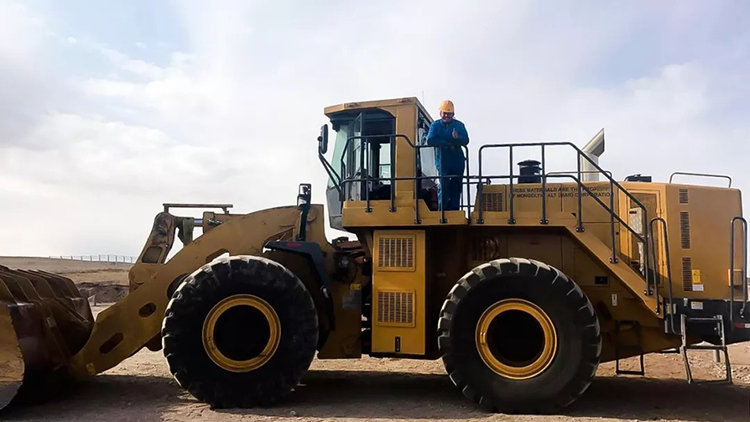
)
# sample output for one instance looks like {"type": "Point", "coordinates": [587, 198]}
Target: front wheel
{"type": "Point", "coordinates": [240, 332]}
{"type": "Point", "coordinates": [518, 336]}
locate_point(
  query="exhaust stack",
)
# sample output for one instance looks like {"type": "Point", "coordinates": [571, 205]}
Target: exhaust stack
{"type": "Point", "coordinates": [594, 149]}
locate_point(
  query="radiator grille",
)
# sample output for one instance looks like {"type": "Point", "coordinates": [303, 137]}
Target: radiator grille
{"type": "Point", "coordinates": [493, 201]}
{"type": "Point", "coordinates": [396, 252]}
{"type": "Point", "coordinates": [684, 198]}
{"type": "Point", "coordinates": [685, 229]}
{"type": "Point", "coordinates": [395, 307]}
{"type": "Point", "coordinates": [687, 274]}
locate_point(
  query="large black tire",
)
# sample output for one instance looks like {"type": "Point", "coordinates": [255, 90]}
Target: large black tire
{"type": "Point", "coordinates": [191, 303]}
{"type": "Point", "coordinates": [578, 340]}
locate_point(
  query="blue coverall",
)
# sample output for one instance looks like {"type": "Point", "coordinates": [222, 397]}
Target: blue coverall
{"type": "Point", "coordinates": [449, 159]}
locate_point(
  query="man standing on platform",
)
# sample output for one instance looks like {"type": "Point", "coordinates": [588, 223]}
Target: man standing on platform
{"type": "Point", "coordinates": [449, 134]}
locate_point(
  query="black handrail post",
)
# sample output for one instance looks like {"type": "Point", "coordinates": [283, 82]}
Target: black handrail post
{"type": "Point", "coordinates": [417, 150]}
{"type": "Point", "coordinates": [468, 186]}
{"type": "Point", "coordinates": [580, 197]}
{"type": "Point", "coordinates": [392, 141]}
{"type": "Point", "coordinates": [744, 269]}
{"type": "Point", "coordinates": [442, 188]}
{"type": "Point", "coordinates": [657, 276]}
{"type": "Point", "coordinates": [669, 272]}
{"type": "Point", "coordinates": [612, 220]}
{"type": "Point", "coordinates": [544, 219]}
{"type": "Point", "coordinates": [362, 166]}
{"type": "Point", "coordinates": [479, 203]}
{"type": "Point", "coordinates": [511, 220]}
{"type": "Point", "coordinates": [648, 291]}
{"type": "Point", "coordinates": [367, 158]}
{"type": "Point", "coordinates": [731, 274]}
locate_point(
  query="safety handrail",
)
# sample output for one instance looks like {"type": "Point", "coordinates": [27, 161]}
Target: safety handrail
{"type": "Point", "coordinates": [585, 189]}
{"type": "Point", "coordinates": [547, 144]}
{"type": "Point", "coordinates": [580, 154]}
{"type": "Point", "coordinates": [607, 172]}
{"type": "Point", "coordinates": [392, 138]}
{"type": "Point", "coordinates": [731, 269]}
{"type": "Point", "coordinates": [719, 176]}
{"type": "Point", "coordinates": [657, 276]}
{"type": "Point", "coordinates": [544, 176]}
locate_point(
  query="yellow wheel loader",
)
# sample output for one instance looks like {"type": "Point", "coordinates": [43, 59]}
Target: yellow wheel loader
{"type": "Point", "coordinates": [522, 292]}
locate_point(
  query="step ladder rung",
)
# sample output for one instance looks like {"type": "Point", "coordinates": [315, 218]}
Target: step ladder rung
{"type": "Point", "coordinates": [628, 372]}
{"type": "Point", "coordinates": [706, 347]}
{"type": "Point", "coordinates": [719, 321]}
{"type": "Point", "coordinates": [703, 319]}
{"type": "Point", "coordinates": [635, 327]}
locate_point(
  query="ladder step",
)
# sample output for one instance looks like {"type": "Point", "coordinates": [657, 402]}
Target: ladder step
{"type": "Point", "coordinates": [719, 321]}
{"type": "Point", "coordinates": [703, 319]}
{"type": "Point", "coordinates": [706, 347]}
{"type": "Point", "coordinates": [635, 327]}
{"type": "Point", "coordinates": [623, 372]}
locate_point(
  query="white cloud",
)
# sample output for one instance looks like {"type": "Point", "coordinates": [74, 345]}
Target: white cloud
{"type": "Point", "coordinates": [138, 67]}
{"type": "Point", "coordinates": [233, 115]}
{"type": "Point", "coordinates": [19, 38]}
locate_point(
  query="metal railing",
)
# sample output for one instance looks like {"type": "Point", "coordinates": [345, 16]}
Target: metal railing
{"type": "Point", "coordinates": [343, 182]}
{"type": "Point", "coordinates": [719, 176]}
{"type": "Point", "coordinates": [580, 187]}
{"type": "Point", "coordinates": [657, 276]}
{"type": "Point", "coordinates": [743, 270]}
{"type": "Point", "coordinates": [614, 188]}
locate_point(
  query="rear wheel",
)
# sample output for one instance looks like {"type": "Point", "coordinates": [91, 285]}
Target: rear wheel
{"type": "Point", "coordinates": [518, 336]}
{"type": "Point", "coordinates": [240, 332]}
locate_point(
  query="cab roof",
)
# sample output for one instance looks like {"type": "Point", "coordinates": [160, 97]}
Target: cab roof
{"type": "Point", "coordinates": [393, 102]}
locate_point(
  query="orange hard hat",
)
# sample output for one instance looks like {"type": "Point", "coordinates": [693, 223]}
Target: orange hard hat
{"type": "Point", "coordinates": [446, 106]}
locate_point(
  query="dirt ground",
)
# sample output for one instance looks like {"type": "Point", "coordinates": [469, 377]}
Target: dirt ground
{"type": "Point", "coordinates": [105, 282]}
{"type": "Point", "coordinates": [142, 389]}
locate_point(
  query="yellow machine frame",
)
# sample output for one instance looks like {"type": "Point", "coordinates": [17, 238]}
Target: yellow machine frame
{"type": "Point", "coordinates": [587, 271]}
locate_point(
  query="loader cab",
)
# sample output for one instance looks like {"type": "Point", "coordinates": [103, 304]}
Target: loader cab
{"type": "Point", "coordinates": [367, 138]}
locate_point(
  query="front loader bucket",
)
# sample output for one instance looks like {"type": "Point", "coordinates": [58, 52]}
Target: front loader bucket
{"type": "Point", "coordinates": [43, 322]}
{"type": "Point", "coordinates": [11, 358]}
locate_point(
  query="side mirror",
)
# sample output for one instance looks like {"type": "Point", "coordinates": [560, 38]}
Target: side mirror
{"type": "Point", "coordinates": [323, 140]}
{"type": "Point", "coordinates": [304, 196]}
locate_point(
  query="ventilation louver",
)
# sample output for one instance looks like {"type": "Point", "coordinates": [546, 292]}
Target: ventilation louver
{"type": "Point", "coordinates": [395, 307]}
{"type": "Point", "coordinates": [396, 252]}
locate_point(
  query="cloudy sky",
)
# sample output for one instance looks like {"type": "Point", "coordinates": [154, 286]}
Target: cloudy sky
{"type": "Point", "coordinates": [109, 109]}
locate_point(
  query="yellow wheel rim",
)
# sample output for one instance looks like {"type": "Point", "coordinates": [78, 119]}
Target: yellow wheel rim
{"type": "Point", "coordinates": [539, 357]}
{"type": "Point", "coordinates": [209, 327]}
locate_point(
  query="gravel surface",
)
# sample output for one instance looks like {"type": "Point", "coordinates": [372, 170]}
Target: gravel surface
{"type": "Point", "coordinates": [141, 389]}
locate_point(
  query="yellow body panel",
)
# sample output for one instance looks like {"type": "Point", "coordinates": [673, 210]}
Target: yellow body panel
{"type": "Point", "coordinates": [122, 329]}
{"type": "Point", "coordinates": [398, 280]}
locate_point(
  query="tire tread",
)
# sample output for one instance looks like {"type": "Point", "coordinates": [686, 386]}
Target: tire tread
{"type": "Point", "coordinates": [576, 300]}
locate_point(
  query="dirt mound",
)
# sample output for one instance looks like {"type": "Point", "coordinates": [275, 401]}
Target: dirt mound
{"type": "Point", "coordinates": [103, 292]}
